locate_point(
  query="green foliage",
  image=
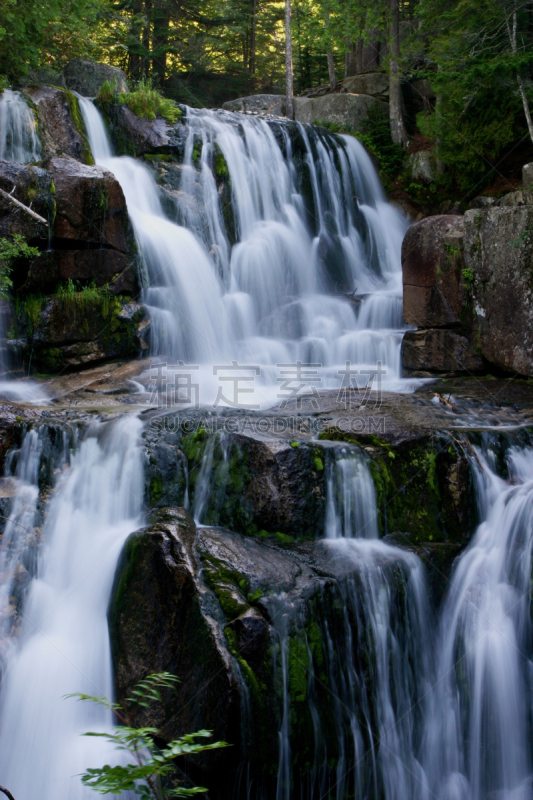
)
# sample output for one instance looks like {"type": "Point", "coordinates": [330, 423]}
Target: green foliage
{"type": "Point", "coordinates": [152, 769]}
{"type": "Point", "coordinates": [16, 247]}
{"type": "Point", "coordinates": [146, 101]}
{"type": "Point", "coordinates": [76, 297]}
{"type": "Point", "coordinates": [480, 113]}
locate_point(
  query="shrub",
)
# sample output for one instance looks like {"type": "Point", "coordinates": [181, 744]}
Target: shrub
{"type": "Point", "coordinates": [144, 100]}
{"type": "Point", "coordinates": [17, 247]}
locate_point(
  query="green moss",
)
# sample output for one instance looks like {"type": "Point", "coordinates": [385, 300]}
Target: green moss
{"type": "Point", "coordinates": [319, 466]}
{"type": "Point", "coordinates": [75, 113]}
{"type": "Point", "coordinates": [298, 667]}
{"type": "Point", "coordinates": [295, 444]}
{"type": "Point", "coordinates": [157, 157]}
{"type": "Point", "coordinates": [156, 489]}
{"type": "Point", "coordinates": [220, 165]}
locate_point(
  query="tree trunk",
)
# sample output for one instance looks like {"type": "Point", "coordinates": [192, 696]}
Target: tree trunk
{"type": "Point", "coordinates": [397, 125]}
{"type": "Point", "coordinates": [253, 23]}
{"type": "Point", "coordinates": [160, 43]}
{"type": "Point", "coordinates": [331, 63]}
{"type": "Point", "coordinates": [349, 59]}
{"type": "Point", "coordinates": [520, 82]}
{"type": "Point", "coordinates": [288, 62]}
{"type": "Point", "coordinates": [146, 35]}
{"type": "Point", "coordinates": [136, 41]}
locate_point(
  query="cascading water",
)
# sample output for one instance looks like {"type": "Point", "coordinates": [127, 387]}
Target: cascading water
{"type": "Point", "coordinates": [18, 132]}
{"type": "Point", "coordinates": [63, 645]}
{"type": "Point", "coordinates": [18, 142]}
{"type": "Point", "coordinates": [307, 226]}
{"type": "Point", "coordinates": [479, 734]}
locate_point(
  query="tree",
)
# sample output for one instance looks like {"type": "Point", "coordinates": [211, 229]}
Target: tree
{"type": "Point", "coordinates": [397, 124]}
{"type": "Point", "coordinates": [288, 62]}
{"type": "Point", "coordinates": [152, 768]}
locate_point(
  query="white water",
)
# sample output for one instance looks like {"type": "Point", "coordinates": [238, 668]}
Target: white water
{"type": "Point", "coordinates": [18, 142]}
{"type": "Point", "coordinates": [478, 741]}
{"type": "Point", "coordinates": [64, 643]}
{"type": "Point", "coordinates": [18, 132]}
{"type": "Point", "coordinates": [271, 298]}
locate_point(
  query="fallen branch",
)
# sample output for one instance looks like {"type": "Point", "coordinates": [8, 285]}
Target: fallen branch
{"type": "Point", "coordinates": [24, 208]}
{"type": "Point", "coordinates": [7, 792]}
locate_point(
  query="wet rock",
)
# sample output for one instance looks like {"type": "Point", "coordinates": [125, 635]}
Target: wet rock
{"type": "Point", "coordinates": [90, 205]}
{"type": "Point", "coordinates": [86, 77]}
{"type": "Point", "coordinates": [252, 484]}
{"type": "Point", "coordinates": [347, 110]}
{"type": "Point", "coordinates": [31, 186]}
{"type": "Point", "coordinates": [62, 332]}
{"type": "Point", "coordinates": [438, 350]}
{"type": "Point", "coordinates": [258, 104]}
{"type": "Point", "coordinates": [432, 263]}
{"type": "Point", "coordinates": [498, 255]}
{"type": "Point", "coordinates": [61, 127]}
{"type": "Point", "coordinates": [137, 136]}
{"type": "Point", "coordinates": [421, 167]}
{"type": "Point", "coordinates": [163, 618]}
{"type": "Point", "coordinates": [95, 266]}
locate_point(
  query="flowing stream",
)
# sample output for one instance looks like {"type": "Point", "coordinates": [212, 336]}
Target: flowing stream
{"type": "Point", "coordinates": [409, 702]}
{"type": "Point", "coordinates": [306, 231]}
{"type": "Point", "coordinates": [63, 643]}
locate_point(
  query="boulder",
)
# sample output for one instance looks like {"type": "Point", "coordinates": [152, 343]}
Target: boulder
{"type": "Point", "coordinates": [90, 205]}
{"type": "Point", "coordinates": [137, 136]}
{"type": "Point", "coordinates": [527, 177]}
{"type": "Point", "coordinates": [95, 266]}
{"type": "Point", "coordinates": [61, 127]}
{"type": "Point", "coordinates": [498, 250]}
{"type": "Point", "coordinates": [371, 83]}
{"type": "Point", "coordinates": [434, 292]}
{"type": "Point", "coordinates": [258, 104]}
{"type": "Point", "coordinates": [86, 77]}
{"type": "Point", "coordinates": [439, 350]}
{"type": "Point", "coordinates": [72, 331]}
{"type": "Point", "coordinates": [31, 186]}
{"type": "Point", "coordinates": [348, 110]}
{"type": "Point", "coordinates": [421, 167]}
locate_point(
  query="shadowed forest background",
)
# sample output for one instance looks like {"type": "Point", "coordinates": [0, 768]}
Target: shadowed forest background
{"type": "Point", "coordinates": [477, 55]}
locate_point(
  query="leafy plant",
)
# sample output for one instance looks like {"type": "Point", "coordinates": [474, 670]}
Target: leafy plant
{"type": "Point", "coordinates": [152, 768]}
{"type": "Point", "coordinates": [145, 101]}
{"type": "Point", "coordinates": [76, 297]}
{"type": "Point", "coordinates": [17, 247]}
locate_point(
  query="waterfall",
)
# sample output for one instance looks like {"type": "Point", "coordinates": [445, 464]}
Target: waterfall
{"type": "Point", "coordinates": [479, 734]}
{"type": "Point", "coordinates": [63, 644]}
{"type": "Point", "coordinates": [18, 132]}
{"type": "Point", "coordinates": [308, 228]}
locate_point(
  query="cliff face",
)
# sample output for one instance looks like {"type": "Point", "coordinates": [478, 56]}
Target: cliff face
{"type": "Point", "coordinates": [468, 288]}
{"type": "Point", "coordinates": [75, 303]}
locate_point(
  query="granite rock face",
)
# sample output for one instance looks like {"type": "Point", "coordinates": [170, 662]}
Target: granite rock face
{"type": "Point", "coordinates": [258, 103]}
{"type": "Point", "coordinates": [499, 255]}
{"type": "Point", "coordinates": [437, 298]}
{"type": "Point", "coordinates": [61, 127]}
{"type": "Point", "coordinates": [349, 110]}
{"type": "Point", "coordinates": [86, 77]}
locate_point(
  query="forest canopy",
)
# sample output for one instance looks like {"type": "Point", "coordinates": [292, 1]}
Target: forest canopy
{"type": "Point", "coordinates": [477, 54]}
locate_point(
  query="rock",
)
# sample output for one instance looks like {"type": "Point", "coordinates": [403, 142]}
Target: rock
{"type": "Point", "coordinates": [258, 104]}
{"type": "Point", "coordinates": [527, 177]}
{"type": "Point", "coordinates": [86, 77]}
{"type": "Point", "coordinates": [90, 205]}
{"type": "Point", "coordinates": [83, 267]}
{"type": "Point", "coordinates": [69, 332]}
{"type": "Point", "coordinates": [163, 618]}
{"type": "Point", "coordinates": [497, 249]}
{"type": "Point", "coordinates": [32, 187]}
{"type": "Point", "coordinates": [348, 110]}
{"type": "Point", "coordinates": [483, 202]}
{"type": "Point", "coordinates": [370, 83]}
{"type": "Point", "coordinates": [260, 484]}
{"type": "Point", "coordinates": [137, 136]}
{"type": "Point", "coordinates": [438, 350]}
{"type": "Point", "coordinates": [518, 198]}
{"type": "Point", "coordinates": [421, 167]}
{"type": "Point", "coordinates": [434, 293]}
{"type": "Point", "coordinates": [61, 127]}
